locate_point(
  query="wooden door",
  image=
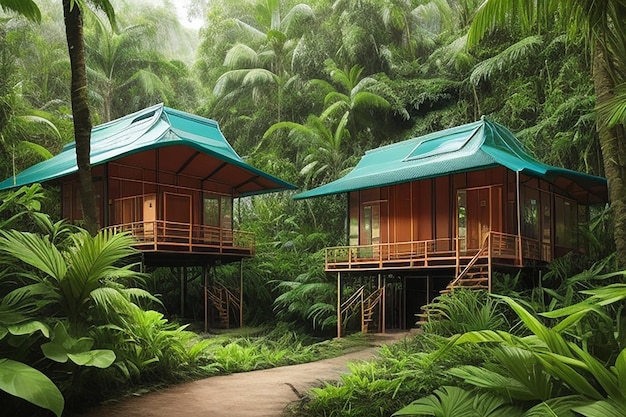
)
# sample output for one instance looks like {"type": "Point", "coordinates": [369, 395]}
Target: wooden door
{"type": "Point", "coordinates": [177, 214]}
{"type": "Point", "coordinates": [477, 215]}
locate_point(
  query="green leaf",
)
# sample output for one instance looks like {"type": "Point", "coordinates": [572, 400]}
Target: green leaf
{"type": "Point", "coordinates": [64, 347]}
{"type": "Point", "coordinates": [99, 358]}
{"type": "Point", "coordinates": [493, 381]}
{"type": "Point", "coordinates": [601, 409]}
{"type": "Point", "coordinates": [29, 328]}
{"type": "Point", "coordinates": [607, 379]}
{"type": "Point", "coordinates": [22, 381]}
{"type": "Point", "coordinates": [447, 401]}
{"type": "Point", "coordinates": [620, 369]}
{"type": "Point", "coordinates": [556, 407]}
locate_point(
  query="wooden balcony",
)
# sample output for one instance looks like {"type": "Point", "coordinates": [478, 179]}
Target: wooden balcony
{"type": "Point", "coordinates": [168, 236]}
{"type": "Point", "coordinates": [441, 253]}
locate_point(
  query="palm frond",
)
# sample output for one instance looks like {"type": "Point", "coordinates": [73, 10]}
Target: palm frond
{"type": "Point", "coordinates": [35, 251]}
{"type": "Point", "coordinates": [505, 59]}
{"type": "Point", "coordinates": [241, 56]}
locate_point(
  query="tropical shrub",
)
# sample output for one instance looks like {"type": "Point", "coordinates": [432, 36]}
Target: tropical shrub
{"type": "Point", "coordinates": [311, 297]}
{"type": "Point", "coordinates": [466, 310]}
{"type": "Point", "coordinates": [279, 347]}
{"type": "Point", "coordinates": [551, 371]}
{"type": "Point", "coordinates": [61, 290]}
{"type": "Point", "coordinates": [379, 387]}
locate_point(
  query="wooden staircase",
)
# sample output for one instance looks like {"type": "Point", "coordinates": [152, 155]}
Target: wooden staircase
{"type": "Point", "coordinates": [223, 300]}
{"type": "Point", "coordinates": [430, 311]}
{"type": "Point", "coordinates": [475, 275]}
{"type": "Point", "coordinates": [369, 306]}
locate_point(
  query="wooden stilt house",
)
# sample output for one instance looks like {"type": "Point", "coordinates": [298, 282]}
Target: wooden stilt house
{"type": "Point", "coordinates": [169, 178]}
{"type": "Point", "coordinates": [447, 210]}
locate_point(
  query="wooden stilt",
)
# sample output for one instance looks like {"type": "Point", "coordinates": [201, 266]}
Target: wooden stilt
{"type": "Point", "coordinates": [384, 304]}
{"type": "Point", "coordinates": [338, 304]}
{"type": "Point", "coordinates": [241, 293]}
{"type": "Point", "coordinates": [206, 298]}
{"type": "Point", "coordinates": [182, 272]}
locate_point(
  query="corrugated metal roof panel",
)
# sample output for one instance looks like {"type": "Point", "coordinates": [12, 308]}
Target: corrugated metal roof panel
{"type": "Point", "coordinates": [154, 127]}
{"type": "Point", "coordinates": [473, 146]}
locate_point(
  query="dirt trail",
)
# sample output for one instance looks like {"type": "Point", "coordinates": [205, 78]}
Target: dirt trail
{"type": "Point", "coordinates": [263, 393]}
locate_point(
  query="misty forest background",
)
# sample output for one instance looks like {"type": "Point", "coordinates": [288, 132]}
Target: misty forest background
{"type": "Point", "coordinates": [300, 90]}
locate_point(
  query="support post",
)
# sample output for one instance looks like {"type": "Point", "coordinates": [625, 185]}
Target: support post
{"type": "Point", "coordinates": [241, 293]}
{"type": "Point", "coordinates": [338, 304]}
{"type": "Point", "coordinates": [384, 304]}
{"type": "Point", "coordinates": [403, 323]}
{"type": "Point", "coordinates": [183, 279]}
{"type": "Point", "coordinates": [206, 298]}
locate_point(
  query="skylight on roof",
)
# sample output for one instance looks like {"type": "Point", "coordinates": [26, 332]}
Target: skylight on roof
{"type": "Point", "coordinates": [143, 116]}
{"type": "Point", "coordinates": [440, 145]}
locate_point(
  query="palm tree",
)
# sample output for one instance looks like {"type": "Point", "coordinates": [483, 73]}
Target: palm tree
{"type": "Point", "coordinates": [18, 124]}
{"type": "Point", "coordinates": [278, 36]}
{"type": "Point", "coordinates": [117, 61]}
{"type": "Point", "coordinates": [80, 104]}
{"type": "Point", "coordinates": [603, 27]}
{"type": "Point", "coordinates": [354, 99]}
{"type": "Point", "coordinates": [322, 147]}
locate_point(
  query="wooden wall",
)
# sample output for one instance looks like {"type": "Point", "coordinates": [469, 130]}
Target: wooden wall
{"type": "Point", "coordinates": [427, 210]}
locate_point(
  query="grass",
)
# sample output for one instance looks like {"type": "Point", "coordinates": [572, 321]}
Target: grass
{"type": "Point", "coordinates": [248, 349]}
{"type": "Point", "coordinates": [236, 350]}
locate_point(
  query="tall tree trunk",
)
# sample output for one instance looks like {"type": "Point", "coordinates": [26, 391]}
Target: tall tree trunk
{"type": "Point", "coordinates": [613, 144]}
{"type": "Point", "coordinates": [80, 112]}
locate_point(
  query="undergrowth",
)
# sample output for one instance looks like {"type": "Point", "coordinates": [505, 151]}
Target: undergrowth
{"type": "Point", "coordinates": [404, 370]}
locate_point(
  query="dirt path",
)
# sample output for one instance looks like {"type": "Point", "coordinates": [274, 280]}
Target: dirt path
{"type": "Point", "coordinates": [251, 394]}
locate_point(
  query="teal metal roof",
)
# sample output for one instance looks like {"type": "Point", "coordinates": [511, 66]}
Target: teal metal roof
{"type": "Point", "coordinates": [154, 127]}
{"type": "Point", "coordinates": [474, 146]}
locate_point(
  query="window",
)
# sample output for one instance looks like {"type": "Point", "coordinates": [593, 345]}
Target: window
{"type": "Point", "coordinates": [530, 214]}
{"type": "Point", "coordinates": [217, 211]}
{"type": "Point", "coordinates": [566, 222]}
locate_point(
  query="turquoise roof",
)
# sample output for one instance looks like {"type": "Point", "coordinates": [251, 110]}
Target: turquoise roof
{"type": "Point", "coordinates": [473, 146]}
{"type": "Point", "coordinates": [154, 127]}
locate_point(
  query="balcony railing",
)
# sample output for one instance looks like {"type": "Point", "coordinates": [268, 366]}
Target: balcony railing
{"type": "Point", "coordinates": [428, 253]}
{"type": "Point", "coordinates": [161, 234]}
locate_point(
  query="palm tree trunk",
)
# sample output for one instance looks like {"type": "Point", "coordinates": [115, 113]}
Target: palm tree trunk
{"type": "Point", "coordinates": [80, 112]}
{"type": "Point", "coordinates": [613, 144]}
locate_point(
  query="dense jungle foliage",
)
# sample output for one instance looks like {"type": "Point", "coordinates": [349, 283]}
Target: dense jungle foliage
{"type": "Point", "coordinates": [301, 90]}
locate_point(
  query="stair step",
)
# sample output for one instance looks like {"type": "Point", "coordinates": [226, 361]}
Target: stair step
{"type": "Point", "coordinates": [473, 280]}
{"type": "Point", "coordinates": [476, 287]}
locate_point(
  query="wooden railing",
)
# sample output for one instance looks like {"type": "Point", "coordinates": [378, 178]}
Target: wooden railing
{"type": "Point", "coordinates": [484, 248]}
{"type": "Point", "coordinates": [440, 252]}
{"type": "Point", "coordinates": [390, 252]}
{"type": "Point", "coordinates": [193, 236]}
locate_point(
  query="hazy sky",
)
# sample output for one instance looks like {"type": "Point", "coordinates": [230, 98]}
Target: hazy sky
{"type": "Point", "coordinates": [181, 11]}
{"type": "Point", "coordinates": [182, 14]}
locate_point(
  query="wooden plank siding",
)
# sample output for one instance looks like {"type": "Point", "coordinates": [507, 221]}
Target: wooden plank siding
{"type": "Point", "coordinates": [421, 223]}
{"type": "Point", "coordinates": [164, 211]}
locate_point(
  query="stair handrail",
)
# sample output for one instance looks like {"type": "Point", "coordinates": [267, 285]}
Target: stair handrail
{"type": "Point", "coordinates": [472, 261]}
{"type": "Point", "coordinates": [231, 297]}
{"type": "Point", "coordinates": [346, 305]}
{"type": "Point", "coordinates": [374, 298]}
{"type": "Point", "coordinates": [217, 299]}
